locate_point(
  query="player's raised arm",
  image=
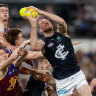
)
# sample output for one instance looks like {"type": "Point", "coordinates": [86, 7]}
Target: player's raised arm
{"type": "Point", "coordinates": [53, 17]}
{"type": "Point", "coordinates": [33, 39]}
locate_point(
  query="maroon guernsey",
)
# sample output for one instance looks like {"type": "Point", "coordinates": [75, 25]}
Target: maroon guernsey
{"type": "Point", "coordinates": [8, 82]}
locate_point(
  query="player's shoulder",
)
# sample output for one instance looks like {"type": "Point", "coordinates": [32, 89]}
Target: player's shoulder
{"type": "Point", "coordinates": [1, 27]}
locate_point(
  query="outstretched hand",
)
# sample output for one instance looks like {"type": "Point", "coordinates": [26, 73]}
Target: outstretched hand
{"type": "Point", "coordinates": [36, 9]}
{"type": "Point", "coordinates": [33, 19]}
{"type": "Point", "coordinates": [22, 52]}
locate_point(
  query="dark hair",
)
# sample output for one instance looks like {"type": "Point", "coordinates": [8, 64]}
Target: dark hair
{"type": "Point", "coordinates": [12, 35]}
{"type": "Point", "coordinates": [41, 60]}
{"type": "Point", "coordinates": [4, 5]}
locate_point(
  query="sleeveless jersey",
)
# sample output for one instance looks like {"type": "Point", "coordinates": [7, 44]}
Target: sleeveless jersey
{"type": "Point", "coordinates": [34, 87]}
{"type": "Point", "coordinates": [60, 53]}
{"type": "Point", "coordinates": [3, 28]}
{"type": "Point", "coordinates": [8, 82]}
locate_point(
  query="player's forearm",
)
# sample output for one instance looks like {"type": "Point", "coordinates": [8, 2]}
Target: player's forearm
{"type": "Point", "coordinates": [19, 60]}
{"type": "Point", "coordinates": [53, 17]}
{"type": "Point", "coordinates": [34, 71]}
{"type": "Point", "coordinates": [4, 64]}
{"type": "Point", "coordinates": [34, 39]}
{"type": "Point", "coordinates": [34, 55]}
{"type": "Point", "coordinates": [24, 70]}
{"type": "Point", "coordinates": [75, 43]}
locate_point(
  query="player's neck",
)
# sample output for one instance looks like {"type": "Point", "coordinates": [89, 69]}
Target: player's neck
{"type": "Point", "coordinates": [48, 34]}
{"type": "Point", "coordinates": [4, 23]}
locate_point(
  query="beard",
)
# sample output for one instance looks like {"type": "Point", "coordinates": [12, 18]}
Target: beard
{"type": "Point", "coordinates": [47, 30]}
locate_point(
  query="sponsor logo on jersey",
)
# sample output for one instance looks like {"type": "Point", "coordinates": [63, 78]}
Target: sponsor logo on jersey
{"type": "Point", "coordinates": [50, 45]}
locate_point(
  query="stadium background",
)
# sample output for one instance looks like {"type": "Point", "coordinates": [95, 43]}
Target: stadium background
{"type": "Point", "coordinates": [80, 16]}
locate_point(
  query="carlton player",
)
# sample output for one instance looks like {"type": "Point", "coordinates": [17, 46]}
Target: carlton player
{"type": "Point", "coordinates": [60, 53]}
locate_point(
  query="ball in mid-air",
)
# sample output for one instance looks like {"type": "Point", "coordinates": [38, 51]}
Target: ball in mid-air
{"type": "Point", "coordinates": [26, 11]}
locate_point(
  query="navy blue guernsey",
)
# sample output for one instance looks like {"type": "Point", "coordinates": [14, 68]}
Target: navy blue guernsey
{"type": "Point", "coordinates": [34, 87]}
{"type": "Point", "coordinates": [60, 53]}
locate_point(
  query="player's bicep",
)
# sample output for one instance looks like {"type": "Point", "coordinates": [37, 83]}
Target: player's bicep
{"type": "Point", "coordinates": [62, 28]}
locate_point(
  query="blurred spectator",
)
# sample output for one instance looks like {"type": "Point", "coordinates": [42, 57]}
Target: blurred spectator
{"type": "Point", "coordinates": [88, 11]}
{"type": "Point", "coordinates": [26, 30]}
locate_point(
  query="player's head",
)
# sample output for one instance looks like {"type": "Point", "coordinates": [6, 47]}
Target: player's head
{"type": "Point", "coordinates": [3, 54]}
{"type": "Point", "coordinates": [14, 36]}
{"type": "Point", "coordinates": [45, 65]}
{"type": "Point", "coordinates": [4, 12]}
{"type": "Point", "coordinates": [45, 26]}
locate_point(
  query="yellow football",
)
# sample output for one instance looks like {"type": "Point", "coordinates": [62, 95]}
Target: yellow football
{"type": "Point", "coordinates": [26, 11]}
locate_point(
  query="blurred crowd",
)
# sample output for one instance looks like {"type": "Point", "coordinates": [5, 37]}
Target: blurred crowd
{"type": "Point", "coordinates": [87, 62]}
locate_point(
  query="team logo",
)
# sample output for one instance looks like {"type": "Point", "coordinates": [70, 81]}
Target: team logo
{"type": "Point", "coordinates": [50, 45]}
{"type": "Point", "coordinates": [60, 52]}
{"type": "Point", "coordinates": [12, 82]}
{"type": "Point", "coordinates": [27, 10]}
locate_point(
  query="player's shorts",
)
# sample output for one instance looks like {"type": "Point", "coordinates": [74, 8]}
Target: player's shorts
{"type": "Point", "coordinates": [66, 86]}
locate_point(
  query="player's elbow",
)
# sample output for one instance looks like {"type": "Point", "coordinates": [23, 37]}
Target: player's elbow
{"type": "Point", "coordinates": [64, 24]}
{"type": "Point", "coordinates": [34, 47]}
